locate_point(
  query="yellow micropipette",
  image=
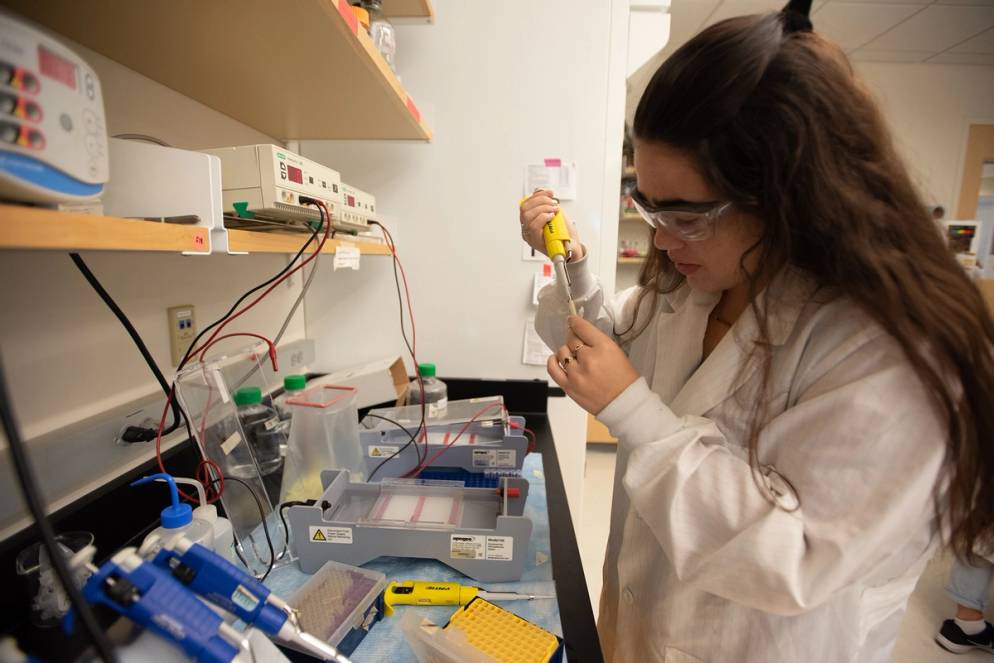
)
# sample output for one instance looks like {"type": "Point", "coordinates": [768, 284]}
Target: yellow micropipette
{"type": "Point", "coordinates": [557, 246]}
{"type": "Point", "coordinates": [414, 592]}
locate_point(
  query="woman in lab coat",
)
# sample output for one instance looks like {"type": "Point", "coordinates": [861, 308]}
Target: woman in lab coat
{"type": "Point", "coordinates": [802, 384]}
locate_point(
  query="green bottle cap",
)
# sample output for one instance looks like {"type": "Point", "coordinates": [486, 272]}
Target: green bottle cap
{"type": "Point", "coordinates": [248, 396]}
{"type": "Point", "coordinates": [294, 382]}
{"type": "Point", "coordinates": [427, 370]}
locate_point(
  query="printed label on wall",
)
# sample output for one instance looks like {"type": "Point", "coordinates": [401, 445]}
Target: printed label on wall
{"type": "Point", "coordinates": [330, 534]}
{"type": "Point", "coordinates": [382, 451]}
{"type": "Point", "coordinates": [467, 546]}
{"type": "Point", "coordinates": [500, 548]}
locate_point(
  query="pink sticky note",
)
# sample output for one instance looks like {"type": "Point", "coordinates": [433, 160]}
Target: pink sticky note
{"type": "Point", "coordinates": [553, 163]}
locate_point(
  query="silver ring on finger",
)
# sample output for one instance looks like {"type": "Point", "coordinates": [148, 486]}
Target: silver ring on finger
{"type": "Point", "coordinates": [564, 363]}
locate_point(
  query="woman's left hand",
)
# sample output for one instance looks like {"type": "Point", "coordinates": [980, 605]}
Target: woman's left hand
{"type": "Point", "coordinates": [591, 368]}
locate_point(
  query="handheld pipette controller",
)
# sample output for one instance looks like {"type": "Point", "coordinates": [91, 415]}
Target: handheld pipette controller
{"type": "Point", "coordinates": [162, 594]}
{"type": "Point", "coordinates": [557, 247]}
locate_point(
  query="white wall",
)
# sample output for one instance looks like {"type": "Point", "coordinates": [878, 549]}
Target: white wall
{"type": "Point", "coordinates": [65, 355]}
{"type": "Point", "coordinates": [500, 89]}
{"type": "Point", "coordinates": [929, 108]}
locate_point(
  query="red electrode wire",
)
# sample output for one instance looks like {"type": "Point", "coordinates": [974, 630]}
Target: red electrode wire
{"type": "Point", "coordinates": [532, 440]}
{"type": "Point", "coordinates": [458, 435]}
{"type": "Point", "coordinates": [423, 428]}
{"type": "Point", "coordinates": [205, 465]}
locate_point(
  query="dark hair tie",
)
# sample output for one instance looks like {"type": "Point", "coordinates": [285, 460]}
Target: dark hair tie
{"type": "Point", "coordinates": [796, 16]}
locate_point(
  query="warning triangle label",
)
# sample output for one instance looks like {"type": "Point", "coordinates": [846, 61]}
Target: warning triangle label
{"type": "Point", "coordinates": [319, 536]}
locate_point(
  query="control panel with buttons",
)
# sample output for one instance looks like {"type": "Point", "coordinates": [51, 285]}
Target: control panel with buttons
{"type": "Point", "coordinates": [358, 208]}
{"type": "Point", "coordinates": [53, 137]}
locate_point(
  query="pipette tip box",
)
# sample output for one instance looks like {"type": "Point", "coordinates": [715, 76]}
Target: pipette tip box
{"type": "Point", "coordinates": [340, 604]}
{"type": "Point", "coordinates": [481, 632]}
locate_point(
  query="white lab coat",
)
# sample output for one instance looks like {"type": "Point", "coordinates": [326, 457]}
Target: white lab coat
{"type": "Point", "coordinates": [700, 565]}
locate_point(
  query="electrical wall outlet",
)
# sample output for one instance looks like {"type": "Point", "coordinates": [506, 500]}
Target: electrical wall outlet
{"type": "Point", "coordinates": [182, 330]}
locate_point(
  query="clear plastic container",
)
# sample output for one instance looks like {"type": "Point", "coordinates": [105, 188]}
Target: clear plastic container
{"type": "Point", "coordinates": [324, 436]}
{"type": "Point", "coordinates": [49, 602]}
{"type": "Point", "coordinates": [436, 394]}
{"type": "Point", "coordinates": [262, 429]}
{"type": "Point", "coordinates": [204, 392]}
{"type": "Point", "coordinates": [433, 644]}
{"type": "Point", "coordinates": [338, 604]}
{"type": "Point", "coordinates": [381, 30]}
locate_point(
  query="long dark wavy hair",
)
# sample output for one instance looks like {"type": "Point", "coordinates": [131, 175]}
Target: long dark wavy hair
{"type": "Point", "coordinates": [779, 124]}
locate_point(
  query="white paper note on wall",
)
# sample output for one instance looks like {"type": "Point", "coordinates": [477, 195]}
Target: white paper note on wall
{"type": "Point", "coordinates": [554, 174]}
{"type": "Point", "coordinates": [542, 279]}
{"type": "Point", "coordinates": [535, 352]}
{"type": "Point", "coordinates": [347, 256]}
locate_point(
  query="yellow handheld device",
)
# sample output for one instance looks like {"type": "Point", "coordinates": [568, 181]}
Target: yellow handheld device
{"type": "Point", "coordinates": [557, 246]}
{"type": "Point", "coordinates": [416, 592]}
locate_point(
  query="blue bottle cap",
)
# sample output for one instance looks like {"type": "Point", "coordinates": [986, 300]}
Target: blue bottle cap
{"type": "Point", "coordinates": [176, 515]}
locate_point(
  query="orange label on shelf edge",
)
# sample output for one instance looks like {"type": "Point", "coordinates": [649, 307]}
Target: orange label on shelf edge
{"type": "Point", "coordinates": [414, 109]}
{"type": "Point", "coordinates": [345, 9]}
{"type": "Point", "coordinates": [200, 241]}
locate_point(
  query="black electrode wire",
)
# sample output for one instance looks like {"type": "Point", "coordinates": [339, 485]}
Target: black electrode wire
{"type": "Point", "coordinates": [423, 428]}
{"type": "Point", "coordinates": [133, 333]}
{"type": "Point", "coordinates": [413, 440]}
{"type": "Point", "coordinates": [299, 300]}
{"type": "Point", "coordinates": [171, 394]}
{"type": "Point", "coordinates": [286, 527]}
{"type": "Point", "coordinates": [32, 497]}
{"type": "Point", "coordinates": [265, 528]}
{"type": "Point", "coordinates": [238, 302]}
{"type": "Point", "coordinates": [396, 280]}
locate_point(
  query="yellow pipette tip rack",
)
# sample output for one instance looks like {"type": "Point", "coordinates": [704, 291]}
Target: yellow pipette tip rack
{"type": "Point", "coordinates": [503, 635]}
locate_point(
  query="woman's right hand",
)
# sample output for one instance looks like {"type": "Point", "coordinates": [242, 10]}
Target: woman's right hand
{"type": "Point", "coordinates": [536, 211]}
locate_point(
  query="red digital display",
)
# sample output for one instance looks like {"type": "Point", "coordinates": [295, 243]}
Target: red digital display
{"type": "Point", "coordinates": [295, 174]}
{"type": "Point", "coordinates": [351, 201]}
{"type": "Point", "coordinates": [56, 67]}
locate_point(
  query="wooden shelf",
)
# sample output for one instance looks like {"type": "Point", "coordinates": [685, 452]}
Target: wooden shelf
{"type": "Point", "coordinates": [35, 228]}
{"type": "Point", "coordinates": [628, 173]}
{"type": "Point", "coordinates": [632, 261]}
{"type": "Point", "coordinates": [631, 217]}
{"type": "Point", "coordinates": [409, 9]}
{"type": "Point", "coordinates": [274, 242]}
{"type": "Point", "coordinates": [292, 70]}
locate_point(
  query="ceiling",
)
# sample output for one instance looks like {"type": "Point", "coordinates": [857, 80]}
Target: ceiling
{"type": "Point", "coordinates": [913, 31]}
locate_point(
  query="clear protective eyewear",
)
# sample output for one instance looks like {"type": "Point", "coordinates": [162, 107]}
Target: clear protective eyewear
{"type": "Point", "coordinates": [691, 222]}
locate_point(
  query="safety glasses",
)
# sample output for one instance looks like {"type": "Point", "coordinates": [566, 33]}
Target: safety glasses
{"type": "Point", "coordinates": [691, 222]}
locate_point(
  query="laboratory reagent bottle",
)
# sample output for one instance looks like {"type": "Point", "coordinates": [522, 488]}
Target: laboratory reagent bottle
{"type": "Point", "coordinates": [224, 535]}
{"type": "Point", "coordinates": [175, 519]}
{"type": "Point", "coordinates": [381, 30]}
{"type": "Point", "coordinates": [262, 429]}
{"type": "Point", "coordinates": [293, 385]}
{"type": "Point", "coordinates": [436, 394]}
